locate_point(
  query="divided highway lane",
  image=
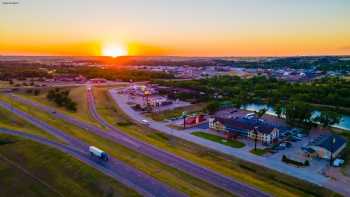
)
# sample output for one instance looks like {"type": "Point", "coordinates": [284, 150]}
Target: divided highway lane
{"type": "Point", "coordinates": [233, 186]}
{"type": "Point", "coordinates": [208, 175]}
{"type": "Point", "coordinates": [114, 169]}
{"type": "Point", "coordinates": [140, 182]}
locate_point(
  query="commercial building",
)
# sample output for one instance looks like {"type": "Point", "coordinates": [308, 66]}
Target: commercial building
{"type": "Point", "coordinates": [246, 127]}
{"type": "Point", "coordinates": [326, 144]}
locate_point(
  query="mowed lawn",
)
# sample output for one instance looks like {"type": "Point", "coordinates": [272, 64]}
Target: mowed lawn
{"type": "Point", "coordinates": [77, 94]}
{"type": "Point", "coordinates": [265, 179]}
{"type": "Point", "coordinates": [167, 114]}
{"type": "Point", "coordinates": [9, 120]}
{"type": "Point", "coordinates": [176, 179]}
{"type": "Point", "coordinates": [219, 139]}
{"type": "Point", "coordinates": [30, 169]}
{"type": "Point", "coordinates": [259, 152]}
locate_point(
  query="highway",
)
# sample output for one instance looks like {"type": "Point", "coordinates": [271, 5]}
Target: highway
{"type": "Point", "coordinates": [131, 177]}
{"type": "Point", "coordinates": [224, 182]}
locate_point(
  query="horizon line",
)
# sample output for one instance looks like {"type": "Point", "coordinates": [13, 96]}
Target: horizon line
{"type": "Point", "coordinates": [178, 56]}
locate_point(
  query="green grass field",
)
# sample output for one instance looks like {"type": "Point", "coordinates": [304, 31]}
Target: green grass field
{"type": "Point", "coordinates": [10, 121]}
{"type": "Point", "coordinates": [258, 151]}
{"type": "Point", "coordinates": [218, 139]}
{"type": "Point", "coordinates": [160, 116]}
{"type": "Point", "coordinates": [267, 180]}
{"type": "Point", "coordinates": [347, 77]}
{"type": "Point", "coordinates": [78, 94]}
{"type": "Point", "coordinates": [31, 169]}
{"type": "Point", "coordinates": [175, 178]}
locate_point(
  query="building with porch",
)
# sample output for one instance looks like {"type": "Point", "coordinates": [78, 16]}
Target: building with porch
{"type": "Point", "coordinates": [246, 127]}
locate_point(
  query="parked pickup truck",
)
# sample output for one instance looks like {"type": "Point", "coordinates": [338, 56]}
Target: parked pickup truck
{"type": "Point", "coordinates": [96, 152]}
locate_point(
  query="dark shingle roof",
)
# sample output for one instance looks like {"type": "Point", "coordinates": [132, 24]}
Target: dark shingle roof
{"type": "Point", "coordinates": [242, 124]}
{"type": "Point", "coordinates": [325, 141]}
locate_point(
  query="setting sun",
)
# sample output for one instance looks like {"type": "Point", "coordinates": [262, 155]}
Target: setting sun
{"type": "Point", "coordinates": [114, 51]}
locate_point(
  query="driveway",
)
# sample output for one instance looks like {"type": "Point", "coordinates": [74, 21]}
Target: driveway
{"type": "Point", "coordinates": [301, 173]}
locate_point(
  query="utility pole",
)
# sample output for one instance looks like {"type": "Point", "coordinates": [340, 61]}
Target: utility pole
{"type": "Point", "coordinates": [255, 138]}
{"type": "Point", "coordinates": [332, 149]}
{"type": "Point", "coordinates": [184, 115]}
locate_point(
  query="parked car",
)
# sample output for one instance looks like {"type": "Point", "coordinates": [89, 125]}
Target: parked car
{"type": "Point", "coordinates": [296, 139]}
{"type": "Point", "coordinates": [295, 131]}
{"type": "Point", "coordinates": [288, 144]}
{"type": "Point", "coordinates": [338, 162]}
{"type": "Point", "coordinates": [273, 151]}
{"type": "Point", "coordinates": [280, 148]}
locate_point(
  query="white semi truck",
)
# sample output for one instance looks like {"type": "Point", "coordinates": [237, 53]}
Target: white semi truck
{"type": "Point", "coordinates": [96, 152]}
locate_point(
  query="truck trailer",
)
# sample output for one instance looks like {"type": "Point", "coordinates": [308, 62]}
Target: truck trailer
{"type": "Point", "coordinates": [96, 152]}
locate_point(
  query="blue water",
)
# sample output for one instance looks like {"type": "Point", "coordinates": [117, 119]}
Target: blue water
{"type": "Point", "coordinates": [344, 123]}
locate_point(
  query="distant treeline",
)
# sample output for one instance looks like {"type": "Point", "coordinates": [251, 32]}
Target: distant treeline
{"type": "Point", "coordinates": [14, 70]}
{"type": "Point", "coordinates": [317, 63]}
{"type": "Point", "coordinates": [21, 71]}
{"type": "Point", "coordinates": [327, 91]}
{"type": "Point", "coordinates": [323, 63]}
{"type": "Point", "coordinates": [111, 73]}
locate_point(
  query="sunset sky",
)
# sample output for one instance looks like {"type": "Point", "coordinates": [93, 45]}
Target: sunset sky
{"type": "Point", "coordinates": [181, 27]}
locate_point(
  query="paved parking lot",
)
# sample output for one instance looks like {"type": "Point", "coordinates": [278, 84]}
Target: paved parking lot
{"type": "Point", "coordinates": [295, 151]}
{"type": "Point", "coordinates": [311, 174]}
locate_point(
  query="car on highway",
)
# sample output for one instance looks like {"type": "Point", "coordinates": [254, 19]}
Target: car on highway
{"type": "Point", "coordinates": [145, 122]}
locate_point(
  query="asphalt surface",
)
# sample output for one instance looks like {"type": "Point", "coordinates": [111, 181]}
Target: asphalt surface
{"type": "Point", "coordinates": [224, 182]}
{"type": "Point", "coordinates": [209, 176]}
{"type": "Point", "coordinates": [140, 182]}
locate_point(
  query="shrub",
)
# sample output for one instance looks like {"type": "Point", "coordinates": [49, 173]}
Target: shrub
{"type": "Point", "coordinates": [36, 92]}
{"type": "Point", "coordinates": [61, 98]}
{"type": "Point", "coordinates": [306, 163]}
{"type": "Point", "coordinates": [297, 163]}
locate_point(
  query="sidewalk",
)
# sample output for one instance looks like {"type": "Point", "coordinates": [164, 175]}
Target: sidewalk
{"type": "Point", "coordinates": [302, 173]}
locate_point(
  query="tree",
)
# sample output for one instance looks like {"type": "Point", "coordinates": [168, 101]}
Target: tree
{"type": "Point", "coordinates": [259, 114]}
{"type": "Point", "coordinates": [36, 92]}
{"type": "Point", "coordinates": [236, 103]}
{"type": "Point", "coordinates": [61, 98]}
{"type": "Point", "coordinates": [328, 118]}
{"type": "Point", "coordinates": [29, 91]}
{"type": "Point", "coordinates": [299, 113]}
{"type": "Point", "coordinates": [212, 107]}
{"type": "Point", "coordinates": [278, 110]}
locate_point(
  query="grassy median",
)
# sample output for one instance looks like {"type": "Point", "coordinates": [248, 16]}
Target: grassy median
{"type": "Point", "coordinates": [77, 94]}
{"type": "Point", "coordinates": [29, 169]}
{"type": "Point", "coordinates": [171, 176]}
{"type": "Point", "coordinates": [9, 120]}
